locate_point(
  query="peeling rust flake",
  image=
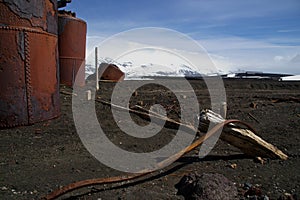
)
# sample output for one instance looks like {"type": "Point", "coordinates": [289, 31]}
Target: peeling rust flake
{"type": "Point", "coordinates": [30, 13]}
{"type": "Point", "coordinates": [51, 23]}
{"type": "Point", "coordinates": [24, 9]}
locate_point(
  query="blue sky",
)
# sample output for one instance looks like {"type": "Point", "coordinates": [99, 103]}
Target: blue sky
{"type": "Point", "coordinates": [259, 35]}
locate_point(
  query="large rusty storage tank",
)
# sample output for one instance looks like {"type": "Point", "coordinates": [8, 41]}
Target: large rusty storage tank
{"type": "Point", "coordinates": [29, 84]}
{"type": "Point", "coordinates": [72, 44]}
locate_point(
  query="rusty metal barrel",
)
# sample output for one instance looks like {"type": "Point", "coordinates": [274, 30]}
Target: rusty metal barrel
{"type": "Point", "coordinates": [72, 45]}
{"type": "Point", "coordinates": [29, 83]}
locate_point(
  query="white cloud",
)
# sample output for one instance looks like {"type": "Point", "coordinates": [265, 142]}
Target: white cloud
{"type": "Point", "coordinates": [296, 59]}
{"type": "Point", "coordinates": [288, 30]}
{"type": "Point", "coordinates": [279, 58]}
{"type": "Point", "coordinates": [234, 53]}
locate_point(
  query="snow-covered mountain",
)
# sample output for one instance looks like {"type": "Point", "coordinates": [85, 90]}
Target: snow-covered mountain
{"type": "Point", "coordinates": [151, 69]}
{"type": "Point", "coordinates": [133, 71]}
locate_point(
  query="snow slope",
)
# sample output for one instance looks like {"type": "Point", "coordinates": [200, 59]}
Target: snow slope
{"type": "Point", "coordinates": [133, 71]}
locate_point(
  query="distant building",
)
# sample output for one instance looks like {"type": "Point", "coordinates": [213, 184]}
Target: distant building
{"type": "Point", "coordinates": [256, 75]}
{"type": "Point", "coordinates": [290, 78]}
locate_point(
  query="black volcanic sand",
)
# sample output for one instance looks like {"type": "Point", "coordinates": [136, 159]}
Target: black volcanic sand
{"type": "Point", "coordinates": [38, 159]}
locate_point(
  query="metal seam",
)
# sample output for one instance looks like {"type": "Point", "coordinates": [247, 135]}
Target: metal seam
{"type": "Point", "coordinates": [30, 30]}
{"type": "Point", "coordinates": [70, 57]}
{"type": "Point", "coordinates": [28, 78]}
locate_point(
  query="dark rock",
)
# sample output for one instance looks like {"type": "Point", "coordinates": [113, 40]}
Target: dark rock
{"type": "Point", "coordinates": [247, 186]}
{"type": "Point", "coordinates": [253, 191]}
{"type": "Point", "coordinates": [207, 186]}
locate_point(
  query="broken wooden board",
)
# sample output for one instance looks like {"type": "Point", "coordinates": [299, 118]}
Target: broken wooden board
{"type": "Point", "coordinates": [244, 139]}
{"type": "Point", "coordinates": [250, 144]}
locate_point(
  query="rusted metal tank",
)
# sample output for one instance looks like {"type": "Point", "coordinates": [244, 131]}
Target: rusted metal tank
{"type": "Point", "coordinates": [72, 45]}
{"type": "Point", "coordinates": [110, 72]}
{"type": "Point", "coordinates": [29, 85]}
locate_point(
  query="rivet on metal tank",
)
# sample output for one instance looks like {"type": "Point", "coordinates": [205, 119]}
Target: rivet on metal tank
{"type": "Point", "coordinates": [29, 85]}
{"type": "Point", "coordinates": [72, 45]}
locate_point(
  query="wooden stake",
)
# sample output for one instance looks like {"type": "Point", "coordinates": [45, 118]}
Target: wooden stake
{"type": "Point", "coordinates": [96, 68]}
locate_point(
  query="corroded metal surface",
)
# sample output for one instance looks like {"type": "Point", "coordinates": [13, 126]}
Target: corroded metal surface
{"type": "Point", "coordinates": [44, 76]}
{"type": "Point", "coordinates": [29, 87]}
{"type": "Point", "coordinates": [72, 45]}
{"type": "Point", "coordinates": [30, 13]}
{"type": "Point", "coordinates": [111, 72]}
{"type": "Point", "coordinates": [13, 100]}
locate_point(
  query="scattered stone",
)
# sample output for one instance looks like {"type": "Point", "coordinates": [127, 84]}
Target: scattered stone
{"type": "Point", "coordinates": [46, 124]}
{"type": "Point", "coordinates": [135, 93]}
{"type": "Point", "coordinates": [265, 197]}
{"type": "Point", "coordinates": [38, 131]}
{"type": "Point", "coordinates": [247, 186]}
{"type": "Point", "coordinates": [232, 166]}
{"type": "Point", "coordinates": [4, 188]}
{"type": "Point", "coordinates": [253, 105]}
{"type": "Point", "coordinates": [259, 160]}
{"type": "Point", "coordinates": [253, 193]}
{"type": "Point", "coordinates": [288, 196]}
{"type": "Point", "coordinates": [183, 96]}
{"type": "Point", "coordinates": [207, 186]}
